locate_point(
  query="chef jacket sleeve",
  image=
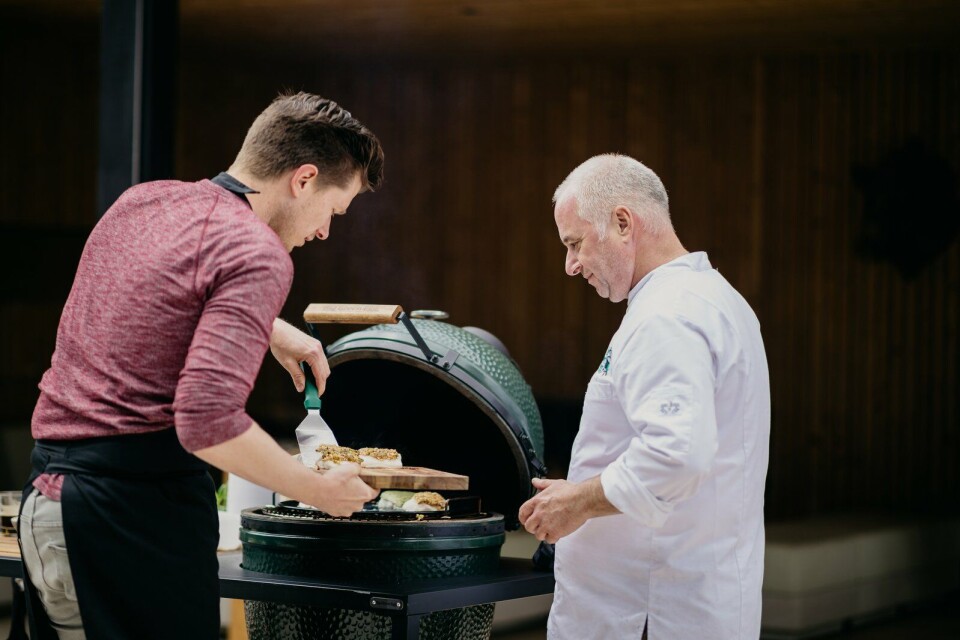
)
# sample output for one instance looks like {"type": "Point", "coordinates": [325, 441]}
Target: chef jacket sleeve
{"type": "Point", "coordinates": [244, 287]}
{"type": "Point", "coordinates": [664, 379]}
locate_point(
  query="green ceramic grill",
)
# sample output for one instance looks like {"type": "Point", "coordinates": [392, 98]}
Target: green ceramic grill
{"type": "Point", "coordinates": [446, 398]}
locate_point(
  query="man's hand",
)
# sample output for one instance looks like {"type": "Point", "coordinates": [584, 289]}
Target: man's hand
{"type": "Point", "coordinates": [342, 492]}
{"type": "Point", "coordinates": [562, 507]}
{"type": "Point", "coordinates": [290, 347]}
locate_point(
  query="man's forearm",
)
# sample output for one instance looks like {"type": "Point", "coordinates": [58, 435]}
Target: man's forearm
{"type": "Point", "coordinates": [595, 501]}
{"type": "Point", "coordinates": [256, 457]}
{"type": "Point", "coordinates": [280, 325]}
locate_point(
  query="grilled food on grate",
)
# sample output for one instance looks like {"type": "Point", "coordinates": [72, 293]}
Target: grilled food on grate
{"type": "Point", "coordinates": [425, 501]}
{"type": "Point", "coordinates": [393, 500]}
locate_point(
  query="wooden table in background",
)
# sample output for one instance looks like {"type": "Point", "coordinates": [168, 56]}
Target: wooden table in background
{"type": "Point", "coordinates": [9, 549]}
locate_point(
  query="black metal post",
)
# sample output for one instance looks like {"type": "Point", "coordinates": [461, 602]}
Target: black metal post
{"type": "Point", "coordinates": [406, 627]}
{"type": "Point", "coordinates": [138, 52]}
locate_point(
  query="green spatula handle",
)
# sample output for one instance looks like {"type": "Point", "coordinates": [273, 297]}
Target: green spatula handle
{"type": "Point", "coordinates": [312, 399]}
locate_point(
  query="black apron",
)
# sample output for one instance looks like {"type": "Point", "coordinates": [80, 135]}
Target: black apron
{"type": "Point", "coordinates": [140, 523]}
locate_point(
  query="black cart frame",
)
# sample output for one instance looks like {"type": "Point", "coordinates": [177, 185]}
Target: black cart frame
{"type": "Point", "coordinates": [407, 604]}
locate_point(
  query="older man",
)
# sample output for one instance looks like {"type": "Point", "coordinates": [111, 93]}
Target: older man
{"type": "Point", "coordinates": [659, 524]}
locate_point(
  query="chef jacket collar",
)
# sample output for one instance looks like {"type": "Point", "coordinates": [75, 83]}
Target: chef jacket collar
{"type": "Point", "coordinates": [234, 186]}
{"type": "Point", "coordinates": [696, 261]}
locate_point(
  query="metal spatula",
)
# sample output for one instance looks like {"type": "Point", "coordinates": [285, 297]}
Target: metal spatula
{"type": "Point", "coordinates": [314, 430]}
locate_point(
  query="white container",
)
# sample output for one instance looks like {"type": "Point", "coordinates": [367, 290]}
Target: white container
{"type": "Point", "coordinates": [229, 531]}
{"type": "Point", "coordinates": [242, 494]}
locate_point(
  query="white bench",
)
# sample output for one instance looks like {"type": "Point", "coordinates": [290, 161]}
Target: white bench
{"type": "Point", "coordinates": [822, 573]}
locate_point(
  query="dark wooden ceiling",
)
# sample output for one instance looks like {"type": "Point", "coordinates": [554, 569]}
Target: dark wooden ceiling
{"type": "Point", "coordinates": [377, 27]}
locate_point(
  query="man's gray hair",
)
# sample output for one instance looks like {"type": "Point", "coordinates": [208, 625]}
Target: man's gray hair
{"type": "Point", "coordinates": [607, 181]}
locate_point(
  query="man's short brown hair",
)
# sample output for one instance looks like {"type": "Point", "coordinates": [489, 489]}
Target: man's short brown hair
{"type": "Point", "coordinates": [303, 128]}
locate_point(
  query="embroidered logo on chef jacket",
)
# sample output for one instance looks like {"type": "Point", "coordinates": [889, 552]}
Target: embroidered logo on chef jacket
{"type": "Point", "coordinates": [669, 408]}
{"type": "Point", "coordinates": [605, 363]}
{"type": "Point", "coordinates": [667, 412]}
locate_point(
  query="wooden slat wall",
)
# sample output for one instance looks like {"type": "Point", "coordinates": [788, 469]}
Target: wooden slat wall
{"type": "Point", "coordinates": [48, 102]}
{"type": "Point", "coordinates": [863, 362]}
{"type": "Point", "coordinates": [464, 222]}
{"type": "Point", "coordinates": [755, 150]}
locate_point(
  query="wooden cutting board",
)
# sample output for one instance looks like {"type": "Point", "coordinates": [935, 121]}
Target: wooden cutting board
{"type": "Point", "coordinates": [9, 547]}
{"type": "Point", "coordinates": [414, 479]}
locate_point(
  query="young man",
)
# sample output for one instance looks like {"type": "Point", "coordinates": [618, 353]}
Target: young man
{"type": "Point", "coordinates": [660, 520]}
{"type": "Point", "coordinates": [173, 307]}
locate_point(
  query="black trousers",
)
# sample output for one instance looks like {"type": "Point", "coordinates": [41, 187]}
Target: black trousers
{"type": "Point", "coordinates": [140, 525]}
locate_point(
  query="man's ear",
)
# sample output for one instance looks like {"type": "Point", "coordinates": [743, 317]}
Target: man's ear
{"type": "Point", "coordinates": [624, 220]}
{"type": "Point", "coordinates": [301, 177]}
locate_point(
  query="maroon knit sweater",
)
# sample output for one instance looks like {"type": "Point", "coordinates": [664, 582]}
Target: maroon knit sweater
{"type": "Point", "coordinates": [167, 322]}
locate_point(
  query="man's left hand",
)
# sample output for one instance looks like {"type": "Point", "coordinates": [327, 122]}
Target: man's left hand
{"type": "Point", "coordinates": [562, 507]}
{"type": "Point", "coordinates": [290, 347]}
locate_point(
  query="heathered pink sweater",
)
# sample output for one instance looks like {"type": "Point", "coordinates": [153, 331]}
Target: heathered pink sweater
{"type": "Point", "coordinates": [167, 322]}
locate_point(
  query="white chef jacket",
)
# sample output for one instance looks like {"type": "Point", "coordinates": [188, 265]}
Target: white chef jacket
{"type": "Point", "coordinates": [677, 423]}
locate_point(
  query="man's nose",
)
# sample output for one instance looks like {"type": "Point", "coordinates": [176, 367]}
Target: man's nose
{"type": "Point", "coordinates": [573, 265]}
{"type": "Point", "coordinates": [323, 232]}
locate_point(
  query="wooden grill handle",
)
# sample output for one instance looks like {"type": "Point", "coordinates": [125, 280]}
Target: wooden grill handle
{"type": "Point", "coordinates": [353, 313]}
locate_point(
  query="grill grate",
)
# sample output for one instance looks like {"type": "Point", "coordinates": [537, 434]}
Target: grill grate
{"type": "Point", "coordinates": [457, 509]}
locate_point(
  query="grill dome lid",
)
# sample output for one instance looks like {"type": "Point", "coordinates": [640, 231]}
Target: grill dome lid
{"type": "Point", "coordinates": [470, 413]}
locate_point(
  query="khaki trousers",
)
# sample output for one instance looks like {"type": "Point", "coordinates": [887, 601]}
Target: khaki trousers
{"type": "Point", "coordinates": [45, 560]}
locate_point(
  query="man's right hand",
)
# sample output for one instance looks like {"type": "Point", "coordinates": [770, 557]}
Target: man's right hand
{"type": "Point", "coordinates": [340, 491]}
